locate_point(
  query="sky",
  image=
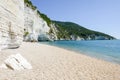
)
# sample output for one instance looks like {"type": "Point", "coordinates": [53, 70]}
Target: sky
{"type": "Point", "coordinates": [98, 15]}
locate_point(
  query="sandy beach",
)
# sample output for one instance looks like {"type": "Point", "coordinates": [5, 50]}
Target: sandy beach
{"type": "Point", "coordinates": [53, 63]}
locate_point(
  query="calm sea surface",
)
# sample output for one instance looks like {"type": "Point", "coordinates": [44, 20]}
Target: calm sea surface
{"type": "Point", "coordinates": [108, 50]}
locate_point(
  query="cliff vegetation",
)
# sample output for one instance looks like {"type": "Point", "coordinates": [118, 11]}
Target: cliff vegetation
{"type": "Point", "coordinates": [43, 16]}
{"type": "Point", "coordinates": [68, 29]}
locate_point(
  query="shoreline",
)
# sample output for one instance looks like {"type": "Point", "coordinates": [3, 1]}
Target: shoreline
{"type": "Point", "coordinates": [83, 53]}
{"type": "Point", "coordinates": [55, 63]}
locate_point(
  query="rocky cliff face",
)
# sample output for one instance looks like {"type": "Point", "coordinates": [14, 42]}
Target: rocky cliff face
{"type": "Point", "coordinates": [36, 28]}
{"type": "Point", "coordinates": [11, 21]}
{"type": "Point", "coordinates": [20, 19]}
{"type": "Point", "coordinates": [34, 24]}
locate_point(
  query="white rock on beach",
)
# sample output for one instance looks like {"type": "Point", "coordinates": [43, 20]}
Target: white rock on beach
{"type": "Point", "coordinates": [16, 62]}
{"type": "Point", "coordinates": [3, 66]}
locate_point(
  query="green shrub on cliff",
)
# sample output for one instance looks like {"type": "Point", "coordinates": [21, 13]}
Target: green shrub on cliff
{"type": "Point", "coordinates": [44, 17]}
{"type": "Point", "coordinates": [26, 33]}
{"type": "Point", "coordinates": [29, 3]}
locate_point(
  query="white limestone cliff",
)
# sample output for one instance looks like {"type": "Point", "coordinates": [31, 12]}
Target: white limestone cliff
{"type": "Point", "coordinates": [11, 22]}
{"type": "Point", "coordinates": [35, 26]}
{"type": "Point", "coordinates": [16, 18]}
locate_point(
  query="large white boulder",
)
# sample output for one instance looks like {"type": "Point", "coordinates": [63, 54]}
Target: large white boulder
{"type": "Point", "coordinates": [16, 62]}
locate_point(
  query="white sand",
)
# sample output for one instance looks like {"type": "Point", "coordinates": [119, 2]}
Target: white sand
{"type": "Point", "coordinates": [52, 63]}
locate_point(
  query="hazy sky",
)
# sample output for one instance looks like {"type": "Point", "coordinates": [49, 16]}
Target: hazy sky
{"type": "Point", "coordinates": [99, 15]}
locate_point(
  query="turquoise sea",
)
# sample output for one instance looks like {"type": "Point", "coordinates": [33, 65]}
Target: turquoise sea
{"type": "Point", "coordinates": [108, 50]}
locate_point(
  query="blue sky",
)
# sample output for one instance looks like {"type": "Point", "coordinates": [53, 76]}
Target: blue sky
{"type": "Point", "coordinates": [98, 15]}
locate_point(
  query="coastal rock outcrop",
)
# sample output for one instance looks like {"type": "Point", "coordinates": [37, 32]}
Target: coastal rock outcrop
{"type": "Point", "coordinates": [35, 27]}
{"type": "Point", "coordinates": [16, 62]}
{"type": "Point", "coordinates": [20, 20]}
{"type": "Point", "coordinates": [34, 24]}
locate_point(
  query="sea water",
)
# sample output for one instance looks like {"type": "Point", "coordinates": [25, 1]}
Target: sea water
{"type": "Point", "coordinates": [108, 50]}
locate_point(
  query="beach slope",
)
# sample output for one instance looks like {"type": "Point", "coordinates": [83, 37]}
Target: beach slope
{"type": "Point", "coordinates": [53, 63]}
